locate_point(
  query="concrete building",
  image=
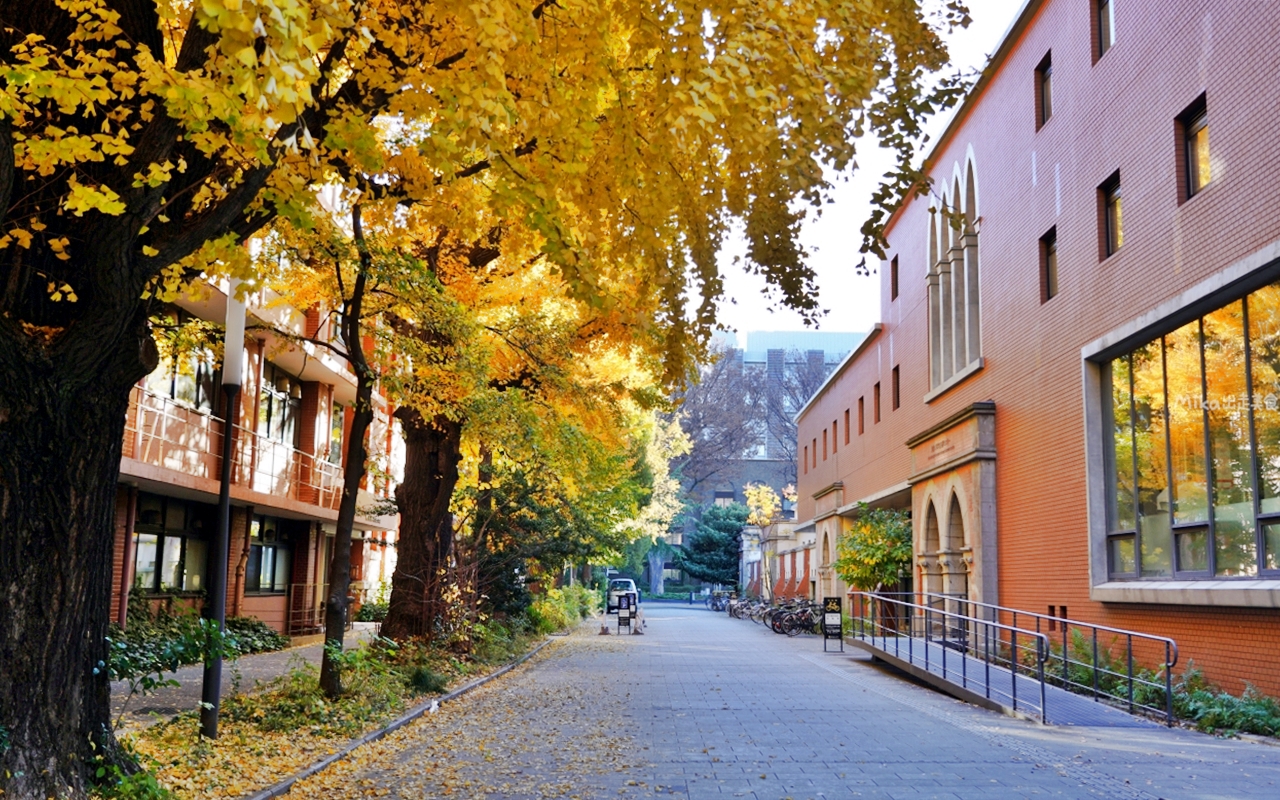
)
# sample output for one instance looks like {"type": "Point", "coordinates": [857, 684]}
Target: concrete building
{"type": "Point", "coordinates": [1073, 387]}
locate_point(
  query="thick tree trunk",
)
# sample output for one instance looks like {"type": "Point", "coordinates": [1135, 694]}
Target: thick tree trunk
{"type": "Point", "coordinates": [433, 450]}
{"type": "Point", "coordinates": [62, 416]}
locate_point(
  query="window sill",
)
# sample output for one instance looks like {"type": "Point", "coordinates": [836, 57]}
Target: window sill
{"type": "Point", "coordinates": [1237, 592]}
{"type": "Point", "coordinates": [956, 379]}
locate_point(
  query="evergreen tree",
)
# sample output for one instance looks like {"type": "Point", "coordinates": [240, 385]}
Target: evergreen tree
{"type": "Point", "coordinates": [711, 553]}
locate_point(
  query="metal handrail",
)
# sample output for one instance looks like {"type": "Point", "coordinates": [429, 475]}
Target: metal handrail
{"type": "Point", "coordinates": [992, 639]}
{"type": "Point", "coordinates": [1095, 664]}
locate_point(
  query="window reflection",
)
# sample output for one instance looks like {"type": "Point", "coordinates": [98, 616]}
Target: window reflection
{"type": "Point", "coordinates": [1195, 432]}
{"type": "Point", "coordinates": [1151, 450]}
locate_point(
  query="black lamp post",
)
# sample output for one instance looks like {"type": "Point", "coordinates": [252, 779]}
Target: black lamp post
{"type": "Point", "coordinates": [232, 358]}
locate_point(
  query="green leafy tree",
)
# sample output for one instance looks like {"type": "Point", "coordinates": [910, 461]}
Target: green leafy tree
{"type": "Point", "coordinates": [711, 552]}
{"type": "Point", "coordinates": [875, 551]}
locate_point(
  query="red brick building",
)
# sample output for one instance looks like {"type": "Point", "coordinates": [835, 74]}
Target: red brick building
{"type": "Point", "coordinates": [294, 416]}
{"type": "Point", "coordinates": [1075, 384]}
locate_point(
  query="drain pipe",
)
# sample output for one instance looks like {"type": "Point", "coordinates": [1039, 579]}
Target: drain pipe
{"type": "Point", "coordinates": [127, 567]}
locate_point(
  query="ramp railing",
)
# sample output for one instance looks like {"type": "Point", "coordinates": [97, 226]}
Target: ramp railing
{"type": "Point", "coordinates": [1094, 660]}
{"type": "Point", "coordinates": [1002, 662]}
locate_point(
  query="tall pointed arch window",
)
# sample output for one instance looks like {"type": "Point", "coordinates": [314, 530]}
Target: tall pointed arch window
{"type": "Point", "coordinates": [955, 346]}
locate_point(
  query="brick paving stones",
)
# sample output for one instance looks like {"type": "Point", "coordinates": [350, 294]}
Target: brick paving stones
{"type": "Point", "coordinates": [704, 706]}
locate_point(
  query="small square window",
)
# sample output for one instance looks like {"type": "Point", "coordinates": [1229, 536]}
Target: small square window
{"type": "Point", "coordinates": [1044, 90]}
{"type": "Point", "coordinates": [893, 278]}
{"type": "Point", "coordinates": [1193, 132]}
{"type": "Point", "coordinates": [1112, 229]}
{"type": "Point", "coordinates": [1049, 265]}
{"type": "Point", "coordinates": [1104, 28]}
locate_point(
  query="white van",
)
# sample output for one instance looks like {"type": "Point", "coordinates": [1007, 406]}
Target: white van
{"type": "Point", "coordinates": [617, 588]}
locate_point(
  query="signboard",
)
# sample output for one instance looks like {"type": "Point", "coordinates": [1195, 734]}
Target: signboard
{"type": "Point", "coordinates": [832, 627]}
{"type": "Point", "coordinates": [624, 611]}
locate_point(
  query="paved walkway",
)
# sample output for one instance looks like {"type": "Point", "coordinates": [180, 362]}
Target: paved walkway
{"type": "Point", "coordinates": [704, 706]}
{"type": "Point", "coordinates": [243, 674]}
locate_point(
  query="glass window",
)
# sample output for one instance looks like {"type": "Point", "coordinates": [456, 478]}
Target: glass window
{"type": "Point", "coordinates": [1195, 128]}
{"type": "Point", "coordinates": [187, 373]}
{"type": "Point", "coordinates": [1151, 454]}
{"type": "Point", "coordinates": [269, 557]}
{"type": "Point", "coordinates": [1044, 90]}
{"type": "Point", "coordinates": [336, 420]}
{"type": "Point", "coordinates": [170, 551]}
{"type": "Point", "coordinates": [1193, 453]}
{"type": "Point", "coordinates": [1049, 265]}
{"type": "Point", "coordinates": [1112, 218]}
{"type": "Point", "coordinates": [1230, 453]}
{"type": "Point", "coordinates": [279, 406]}
{"type": "Point", "coordinates": [1106, 26]}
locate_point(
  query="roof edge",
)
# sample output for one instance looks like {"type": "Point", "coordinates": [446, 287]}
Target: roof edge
{"type": "Point", "coordinates": [835, 373]}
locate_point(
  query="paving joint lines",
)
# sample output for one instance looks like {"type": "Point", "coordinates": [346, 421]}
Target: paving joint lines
{"type": "Point", "coordinates": [1083, 773]}
{"type": "Point", "coordinates": [283, 787]}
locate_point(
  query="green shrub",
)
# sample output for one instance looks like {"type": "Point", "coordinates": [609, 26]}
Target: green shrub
{"type": "Point", "coordinates": [424, 680]}
{"type": "Point", "coordinates": [550, 612]}
{"type": "Point", "coordinates": [373, 612]}
{"type": "Point", "coordinates": [252, 635]}
{"type": "Point", "coordinates": [1215, 711]}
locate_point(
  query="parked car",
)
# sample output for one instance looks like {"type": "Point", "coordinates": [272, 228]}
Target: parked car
{"type": "Point", "coordinates": [617, 588]}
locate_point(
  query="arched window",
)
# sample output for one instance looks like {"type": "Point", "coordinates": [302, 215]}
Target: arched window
{"type": "Point", "coordinates": [954, 318]}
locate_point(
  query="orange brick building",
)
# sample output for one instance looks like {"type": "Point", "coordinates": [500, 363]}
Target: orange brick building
{"type": "Point", "coordinates": [1075, 385]}
{"type": "Point", "coordinates": [294, 416]}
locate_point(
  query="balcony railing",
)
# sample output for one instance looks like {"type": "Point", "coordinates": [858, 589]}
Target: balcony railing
{"type": "Point", "coordinates": [163, 433]}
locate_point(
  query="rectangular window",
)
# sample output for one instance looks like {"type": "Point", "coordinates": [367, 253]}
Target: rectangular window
{"type": "Point", "coordinates": [170, 551]}
{"type": "Point", "coordinates": [269, 557]}
{"type": "Point", "coordinates": [894, 390]}
{"type": "Point", "coordinates": [1044, 90]}
{"type": "Point", "coordinates": [862, 403]}
{"type": "Point", "coordinates": [1193, 133]}
{"type": "Point", "coordinates": [824, 444]}
{"type": "Point", "coordinates": [875, 402]}
{"type": "Point", "coordinates": [1104, 26]}
{"type": "Point", "coordinates": [337, 419]}
{"type": "Point", "coordinates": [846, 426]}
{"type": "Point", "coordinates": [1193, 468]}
{"type": "Point", "coordinates": [893, 278]}
{"type": "Point", "coordinates": [815, 451]}
{"type": "Point", "coordinates": [1049, 265]}
{"type": "Point", "coordinates": [724, 497]}
{"type": "Point", "coordinates": [806, 459]}
{"type": "Point", "coordinates": [279, 406]}
{"type": "Point", "coordinates": [1112, 230]}
{"type": "Point", "coordinates": [189, 376]}
{"type": "Point", "coordinates": [835, 436]}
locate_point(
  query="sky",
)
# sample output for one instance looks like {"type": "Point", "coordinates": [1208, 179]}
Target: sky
{"type": "Point", "coordinates": [852, 301]}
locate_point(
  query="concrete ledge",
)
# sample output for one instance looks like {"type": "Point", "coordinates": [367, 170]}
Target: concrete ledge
{"type": "Point", "coordinates": [1226, 593]}
{"type": "Point", "coordinates": [284, 786]}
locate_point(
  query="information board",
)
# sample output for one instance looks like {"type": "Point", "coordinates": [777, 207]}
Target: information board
{"type": "Point", "coordinates": [832, 627]}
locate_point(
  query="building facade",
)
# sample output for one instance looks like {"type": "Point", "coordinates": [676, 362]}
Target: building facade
{"type": "Point", "coordinates": [293, 418]}
{"type": "Point", "coordinates": [1074, 385]}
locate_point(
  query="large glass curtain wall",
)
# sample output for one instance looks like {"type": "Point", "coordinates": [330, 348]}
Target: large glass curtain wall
{"type": "Point", "coordinates": [1193, 455]}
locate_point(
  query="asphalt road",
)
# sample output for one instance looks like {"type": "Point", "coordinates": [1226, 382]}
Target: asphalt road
{"type": "Point", "coordinates": [704, 706]}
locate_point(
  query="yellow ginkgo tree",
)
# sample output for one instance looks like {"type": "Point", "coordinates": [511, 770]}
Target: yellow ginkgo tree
{"type": "Point", "coordinates": [142, 141]}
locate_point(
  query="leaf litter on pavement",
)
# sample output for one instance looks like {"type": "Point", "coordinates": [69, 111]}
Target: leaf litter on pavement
{"type": "Point", "coordinates": [554, 737]}
{"type": "Point", "coordinates": [556, 733]}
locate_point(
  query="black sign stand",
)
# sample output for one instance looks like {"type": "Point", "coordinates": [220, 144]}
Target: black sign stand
{"type": "Point", "coordinates": [624, 612]}
{"type": "Point", "coordinates": [832, 626]}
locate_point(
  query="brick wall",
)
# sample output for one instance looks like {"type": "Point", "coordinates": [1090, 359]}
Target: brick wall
{"type": "Point", "coordinates": [1117, 114]}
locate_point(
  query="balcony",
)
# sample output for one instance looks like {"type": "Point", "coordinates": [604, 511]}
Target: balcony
{"type": "Point", "coordinates": [163, 434]}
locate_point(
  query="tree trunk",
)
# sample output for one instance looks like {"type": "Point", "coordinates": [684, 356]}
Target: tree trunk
{"type": "Point", "coordinates": [433, 450]}
{"type": "Point", "coordinates": [657, 558]}
{"type": "Point", "coordinates": [335, 608]}
{"type": "Point", "coordinates": [62, 417]}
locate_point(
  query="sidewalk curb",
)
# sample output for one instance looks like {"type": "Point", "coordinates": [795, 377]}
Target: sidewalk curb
{"type": "Point", "coordinates": [284, 786]}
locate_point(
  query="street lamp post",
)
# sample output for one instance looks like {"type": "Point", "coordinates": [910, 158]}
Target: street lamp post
{"type": "Point", "coordinates": [233, 356]}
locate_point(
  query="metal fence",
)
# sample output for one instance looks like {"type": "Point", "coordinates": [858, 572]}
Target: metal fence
{"type": "Point", "coordinates": [1001, 662]}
